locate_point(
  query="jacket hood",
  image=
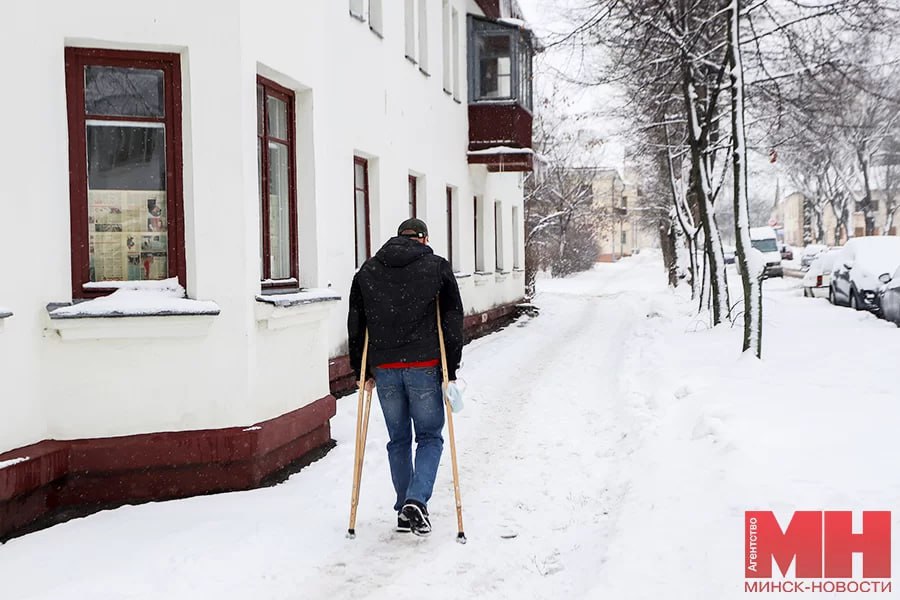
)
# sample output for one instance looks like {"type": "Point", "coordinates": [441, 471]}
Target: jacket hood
{"type": "Point", "coordinates": [400, 251]}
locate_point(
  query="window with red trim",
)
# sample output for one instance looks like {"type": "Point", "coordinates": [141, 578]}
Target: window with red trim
{"type": "Point", "coordinates": [276, 158]}
{"type": "Point", "coordinates": [361, 209]}
{"type": "Point", "coordinates": [413, 193]}
{"type": "Point", "coordinates": [125, 168]}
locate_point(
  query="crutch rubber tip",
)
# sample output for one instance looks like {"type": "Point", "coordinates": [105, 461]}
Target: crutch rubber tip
{"type": "Point", "coordinates": [461, 537]}
{"type": "Point", "coordinates": [351, 534]}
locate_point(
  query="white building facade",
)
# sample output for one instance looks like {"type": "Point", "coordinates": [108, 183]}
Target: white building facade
{"type": "Point", "coordinates": [207, 181]}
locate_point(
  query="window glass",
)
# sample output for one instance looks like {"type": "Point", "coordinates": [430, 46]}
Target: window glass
{"type": "Point", "coordinates": [278, 126]}
{"type": "Point", "coordinates": [127, 202]}
{"type": "Point", "coordinates": [279, 212]}
{"type": "Point", "coordinates": [495, 66]}
{"type": "Point", "coordinates": [360, 208]}
{"type": "Point", "coordinates": [123, 92]}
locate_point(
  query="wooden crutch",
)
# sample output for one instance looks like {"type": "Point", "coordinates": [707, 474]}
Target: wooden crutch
{"type": "Point", "coordinates": [460, 536]}
{"type": "Point", "coordinates": [362, 431]}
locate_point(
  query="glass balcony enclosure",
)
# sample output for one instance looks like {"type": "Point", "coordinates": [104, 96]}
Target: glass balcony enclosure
{"type": "Point", "coordinates": [499, 62]}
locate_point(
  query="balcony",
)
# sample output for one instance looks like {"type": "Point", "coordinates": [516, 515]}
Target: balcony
{"type": "Point", "coordinates": [500, 94]}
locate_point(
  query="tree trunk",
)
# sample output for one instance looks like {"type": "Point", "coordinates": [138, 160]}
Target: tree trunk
{"type": "Point", "coordinates": [712, 242]}
{"type": "Point", "coordinates": [868, 213]}
{"type": "Point", "coordinates": [751, 284]}
{"type": "Point", "coordinates": [667, 243]}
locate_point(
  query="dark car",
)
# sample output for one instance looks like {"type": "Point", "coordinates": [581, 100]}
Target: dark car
{"type": "Point", "coordinates": [787, 253]}
{"type": "Point", "coordinates": [861, 269]}
{"type": "Point", "coordinates": [890, 299]}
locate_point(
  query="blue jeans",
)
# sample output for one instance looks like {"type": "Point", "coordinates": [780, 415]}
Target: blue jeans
{"type": "Point", "coordinates": [412, 397]}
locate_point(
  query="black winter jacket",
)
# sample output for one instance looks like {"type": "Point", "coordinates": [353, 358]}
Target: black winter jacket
{"type": "Point", "coordinates": [393, 295]}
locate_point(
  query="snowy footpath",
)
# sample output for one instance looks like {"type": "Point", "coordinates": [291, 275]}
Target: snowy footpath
{"type": "Point", "coordinates": [608, 449]}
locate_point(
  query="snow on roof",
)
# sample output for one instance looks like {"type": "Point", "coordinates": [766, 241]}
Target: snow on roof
{"type": "Point", "coordinates": [762, 233]}
{"type": "Point", "coordinates": [501, 150]}
{"type": "Point", "coordinates": [137, 299]}
{"type": "Point", "coordinates": [516, 22]}
{"type": "Point", "coordinates": [11, 462]}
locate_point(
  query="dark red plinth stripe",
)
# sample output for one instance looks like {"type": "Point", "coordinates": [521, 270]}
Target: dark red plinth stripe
{"type": "Point", "coordinates": [62, 479]}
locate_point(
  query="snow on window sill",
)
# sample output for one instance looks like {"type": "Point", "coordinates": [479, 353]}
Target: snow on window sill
{"type": "Point", "coordinates": [5, 313]}
{"type": "Point", "coordinates": [500, 276]}
{"type": "Point", "coordinates": [462, 275]}
{"type": "Point", "coordinates": [135, 310]}
{"type": "Point", "coordinates": [518, 273]}
{"type": "Point", "coordinates": [288, 310]}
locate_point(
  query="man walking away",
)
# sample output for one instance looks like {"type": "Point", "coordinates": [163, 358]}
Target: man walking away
{"type": "Point", "coordinates": [393, 296]}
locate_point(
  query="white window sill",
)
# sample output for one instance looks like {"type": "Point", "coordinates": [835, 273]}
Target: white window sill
{"type": "Point", "coordinates": [500, 276]}
{"type": "Point", "coordinates": [518, 273]}
{"type": "Point", "coordinates": [280, 311]}
{"type": "Point", "coordinates": [5, 313]}
{"type": "Point", "coordinates": [462, 275]}
{"type": "Point", "coordinates": [160, 311]}
{"type": "Point", "coordinates": [134, 327]}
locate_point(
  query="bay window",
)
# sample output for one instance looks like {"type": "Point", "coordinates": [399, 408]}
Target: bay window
{"type": "Point", "coordinates": [500, 62]}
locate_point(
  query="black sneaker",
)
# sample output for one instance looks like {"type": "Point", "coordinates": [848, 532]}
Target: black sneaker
{"type": "Point", "coordinates": [417, 514]}
{"type": "Point", "coordinates": [402, 523]}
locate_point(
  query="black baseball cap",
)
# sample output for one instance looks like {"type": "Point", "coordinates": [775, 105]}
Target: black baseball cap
{"type": "Point", "coordinates": [414, 228]}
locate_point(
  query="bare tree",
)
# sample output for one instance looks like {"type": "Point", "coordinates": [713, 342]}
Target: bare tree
{"type": "Point", "coordinates": [718, 77]}
{"type": "Point", "coordinates": [561, 219]}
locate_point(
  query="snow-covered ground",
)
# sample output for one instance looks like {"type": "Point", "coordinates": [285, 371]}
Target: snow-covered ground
{"type": "Point", "coordinates": [608, 449]}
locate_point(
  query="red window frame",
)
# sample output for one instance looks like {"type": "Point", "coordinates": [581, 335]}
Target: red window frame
{"type": "Point", "coordinates": [413, 195]}
{"type": "Point", "coordinates": [76, 59]}
{"type": "Point", "coordinates": [270, 88]}
{"type": "Point", "coordinates": [365, 189]}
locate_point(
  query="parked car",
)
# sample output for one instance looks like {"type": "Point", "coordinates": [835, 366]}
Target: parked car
{"type": "Point", "coordinates": [764, 240]}
{"type": "Point", "coordinates": [889, 299]}
{"type": "Point", "coordinates": [729, 254]}
{"type": "Point", "coordinates": [810, 253]}
{"type": "Point", "coordinates": [817, 280]}
{"type": "Point", "coordinates": [865, 264]}
{"type": "Point", "coordinates": [787, 253]}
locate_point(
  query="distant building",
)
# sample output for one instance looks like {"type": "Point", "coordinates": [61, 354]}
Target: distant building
{"type": "Point", "coordinates": [618, 199]}
{"type": "Point", "coordinates": [799, 220]}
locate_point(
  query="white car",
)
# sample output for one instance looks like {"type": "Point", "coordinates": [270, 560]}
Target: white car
{"type": "Point", "coordinates": [810, 253]}
{"type": "Point", "coordinates": [765, 240]}
{"type": "Point", "coordinates": [817, 280]}
{"type": "Point", "coordinates": [863, 267]}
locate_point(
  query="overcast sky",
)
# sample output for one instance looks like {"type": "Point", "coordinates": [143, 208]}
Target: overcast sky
{"type": "Point", "coordinates": [549, 19]}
